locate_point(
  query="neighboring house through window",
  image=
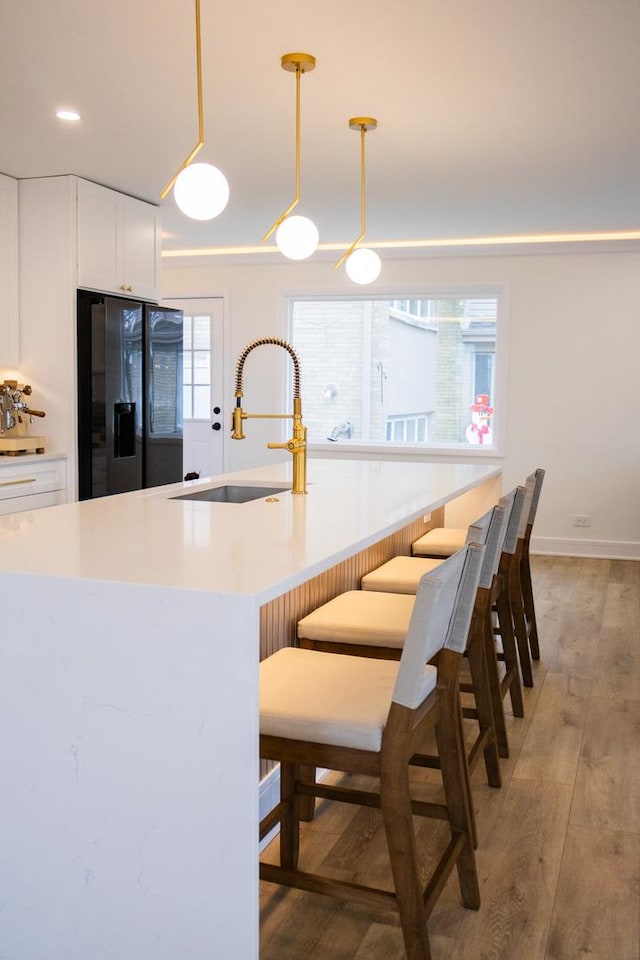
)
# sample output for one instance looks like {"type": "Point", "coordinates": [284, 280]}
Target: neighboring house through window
{"type": "Point", "coordinates": [404, 371]}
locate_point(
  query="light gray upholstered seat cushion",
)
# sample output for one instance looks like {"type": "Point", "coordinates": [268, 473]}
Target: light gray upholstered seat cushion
{"type": "Point", "coordinates": [399, 575]}
{"type": "Point", "coordinates": [360, 616]}
{"type": "Point", "coordinates": [329, 698]}
{"type": "Point", "coordinates": [440, 542]}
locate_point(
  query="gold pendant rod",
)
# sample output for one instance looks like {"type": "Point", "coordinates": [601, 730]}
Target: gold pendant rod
{"type": "Point", "coordinates": [296, 198]}
{"type": "Point", "coordinates": [349, 250]}
{"type": "Point", "coordinates": [363, 180]}
{"type": "Point", "coordinates": [301, 63]}
{"type": "Point", "coordinates": [200, 144]}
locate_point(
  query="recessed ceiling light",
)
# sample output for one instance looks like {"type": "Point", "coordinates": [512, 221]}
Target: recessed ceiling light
{"type": "Point", "coordinates": [67, 115]}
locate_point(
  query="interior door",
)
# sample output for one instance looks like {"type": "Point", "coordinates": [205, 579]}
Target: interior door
{"type": "Point", "coordinates": [205, 404]}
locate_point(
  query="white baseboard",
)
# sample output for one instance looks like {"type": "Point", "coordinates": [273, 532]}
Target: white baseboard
{"type": "Point", "coordinates": [600, 549]}
{"type": "Point", "coordinates": [267, 799]}
{"type": "Point", "coordinates": [269, 796]}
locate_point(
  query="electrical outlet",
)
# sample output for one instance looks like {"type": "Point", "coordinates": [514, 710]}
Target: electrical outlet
{"type": "Point", "coordinates": [581, 520]}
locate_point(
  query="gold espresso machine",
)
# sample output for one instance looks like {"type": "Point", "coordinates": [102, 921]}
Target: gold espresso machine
{"type": "Point", "coordinates": [15, 416]}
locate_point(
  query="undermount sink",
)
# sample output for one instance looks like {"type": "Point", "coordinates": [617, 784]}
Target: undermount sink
{"type": "Point", "coordinates": [231, 494]}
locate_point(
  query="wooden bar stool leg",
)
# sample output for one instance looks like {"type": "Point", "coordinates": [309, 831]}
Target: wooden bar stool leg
{"type": "Point", "coordinates": [484, 710]}
{"type": "Point", "coordinates": [512, 666]}
{"type": "Point", "coordinates": [307, 805]}
{"type": "Point", "coordinates": [451, 751]}
{"type": "Point", "coordinates": [493, 678]}
{"type": "Point", "coordinates": [529, 606]}
{"type": "Point", "coordinates": [289, 823]}
{"type": "Point", "coordinates": [519, 622]}
{"type": "Point", "coordinates": [395, 803]}
{"type": "Point", "coordinates": [467, 778]}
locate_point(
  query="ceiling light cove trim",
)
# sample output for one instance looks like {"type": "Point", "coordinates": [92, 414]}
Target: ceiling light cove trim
{"type": "Point", "coordinates": [508, 240]}
{"type": "Point", "coordinates": [434, 243]}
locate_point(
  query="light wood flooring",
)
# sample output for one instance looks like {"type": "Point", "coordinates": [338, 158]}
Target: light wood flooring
{"type": "Point", "coordinates": [559, 843]}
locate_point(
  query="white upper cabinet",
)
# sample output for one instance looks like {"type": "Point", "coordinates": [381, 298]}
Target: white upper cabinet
{"type": "Point", "coordinates": [118, 243]}
{"type": "Point", "coordinates": [8, 272]}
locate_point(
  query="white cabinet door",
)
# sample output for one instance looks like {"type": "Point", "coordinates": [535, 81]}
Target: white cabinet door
{"type": "Point", "coordinates": [118, 243]}
{"type": "Point", "coordinates": [9, 344]}
{"type": "Point", "coordinates": [99, 256]}
{"type": "Point", "coordinates": [141, 253]}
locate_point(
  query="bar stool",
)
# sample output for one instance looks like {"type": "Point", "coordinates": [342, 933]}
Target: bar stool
{"type": "Point", "coordinates": [504, 626]}
{"type": "Point", "coordinates": [512, 573]}
{"type": "Point", "coordinates": [443, 541]}
{"type": "Point", "coordinates": [520, 585]}
{"type": "Point", "coordinates": [371, 623]}
{"type": "Point", "coordinates": [367, 716]}
{"type": "Point", "coordinates": [401, 575]}
{"type": "Point", "coordinates": [525, 568]}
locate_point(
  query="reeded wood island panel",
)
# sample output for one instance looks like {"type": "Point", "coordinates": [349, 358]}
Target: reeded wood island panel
{"type": "Point", "coordinates": [278, 619]}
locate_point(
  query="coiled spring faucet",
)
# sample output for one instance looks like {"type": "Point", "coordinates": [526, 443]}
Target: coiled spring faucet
{"type": "Point", "coordinates": [297, 445]}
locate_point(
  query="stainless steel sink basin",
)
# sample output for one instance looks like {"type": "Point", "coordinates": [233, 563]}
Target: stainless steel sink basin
{"type": "Point", "coordinates": [231, 494]}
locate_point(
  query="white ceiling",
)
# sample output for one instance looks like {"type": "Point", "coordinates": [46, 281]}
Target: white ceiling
{"type": "Point", "coordinates": [495, 116]}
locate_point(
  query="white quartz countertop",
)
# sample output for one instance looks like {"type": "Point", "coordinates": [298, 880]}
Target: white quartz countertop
{"type": "Point", "coordinates": [28, 458]}
{"type": "Point", "coordinates": [258, 548]}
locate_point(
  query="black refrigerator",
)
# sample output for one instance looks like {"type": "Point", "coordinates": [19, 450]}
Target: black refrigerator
{"type": "Point", "coordinates": [129, 395]}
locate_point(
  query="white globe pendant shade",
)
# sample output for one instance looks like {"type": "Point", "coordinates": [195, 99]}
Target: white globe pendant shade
{"type": "Point", "coordinates": [201, 191]}
{"type": "Point", "coordinates": [297, 238]}
{"type": "Point", "coordinates": [363, 265]}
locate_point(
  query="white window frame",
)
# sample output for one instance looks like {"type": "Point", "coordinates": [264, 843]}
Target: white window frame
{"type": "Point", "coordinates": [347, 448]}
{"type": "Point", "coordinates": [192, 314]}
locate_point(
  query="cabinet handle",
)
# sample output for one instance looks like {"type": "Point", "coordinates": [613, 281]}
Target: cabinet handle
{"type": "Point", "coordinates": [129, 289]}
{"type": "Point", "coordinates": [123, 288]}
{"type": "Point", "coordinates": [14, 483]}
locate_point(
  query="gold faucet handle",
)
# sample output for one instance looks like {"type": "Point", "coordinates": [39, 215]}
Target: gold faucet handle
{"type": "Point", "coordinates": [281, 446]}
{"type": "Point", "coordinates": [237, 432]}
{"type": "Point", "coordinates": [295, 445]}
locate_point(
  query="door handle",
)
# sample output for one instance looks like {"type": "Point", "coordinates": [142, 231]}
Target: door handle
{"type": "Point", "coordinates": [216, 426]}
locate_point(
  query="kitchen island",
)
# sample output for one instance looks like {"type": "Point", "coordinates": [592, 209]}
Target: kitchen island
{"type": "Point", "coordinates": [133, 626]}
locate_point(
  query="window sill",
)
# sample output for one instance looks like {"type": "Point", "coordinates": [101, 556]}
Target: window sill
{"type": "Point", "coordinates": [358, 450]}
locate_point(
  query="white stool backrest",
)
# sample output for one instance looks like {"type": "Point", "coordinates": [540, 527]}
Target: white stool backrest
{"type": "Point", "coordinates": [478, 531]}
{"type": "Point", "coordinates": [519, 495]}
{"type": "Point", "coordinates": [530, 485]}
{"type": "Point", "coordinates": [490, 530]}
{"type": "Point", "coordinates": [537, 488]}
{"type": "Point", "coordinates": [441, 617]}
{"type": "Point", "coordinates": [494, 542]}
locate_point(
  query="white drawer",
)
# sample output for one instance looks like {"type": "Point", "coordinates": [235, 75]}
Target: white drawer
{"type": "Point", "coordinates": [30, 479]}
{"type": "Point", "coordinates": [34, 502]}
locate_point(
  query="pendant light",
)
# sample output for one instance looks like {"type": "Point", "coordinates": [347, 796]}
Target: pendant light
{"type": "Point", "coordinates": [362, 264]}
{"type": "Point", "coordinates": [296, 237]}
{"type": "Point", "coordinates": [201, 190]}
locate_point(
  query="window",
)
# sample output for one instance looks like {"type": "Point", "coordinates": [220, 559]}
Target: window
{"type": "Point", "coordinates": [412, 429]}
{"type": "Point", "coordinates": [419, 370]}
{"type": "Point", "coordinates": [197, 367]}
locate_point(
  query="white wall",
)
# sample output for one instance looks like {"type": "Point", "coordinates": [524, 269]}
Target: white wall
{"type": "Point", "coordinates": [574, 344]}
